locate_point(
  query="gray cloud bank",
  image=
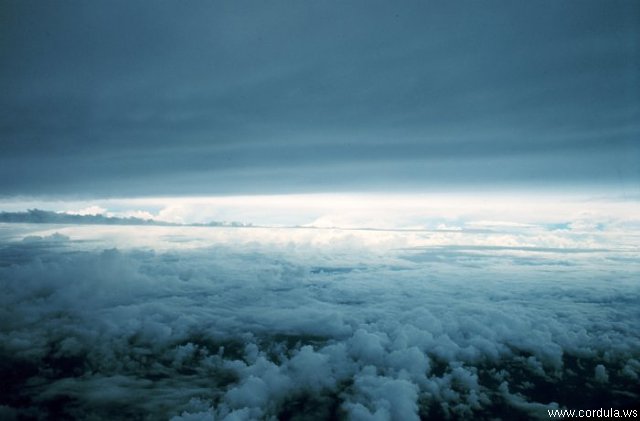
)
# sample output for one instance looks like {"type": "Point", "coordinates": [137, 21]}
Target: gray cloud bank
{"type": "Point", "coordinates": [120, 99]}
{"type": "Point", "coordinates": [38, 216]}
{"type": "Point", "coordinates": [312, 332]}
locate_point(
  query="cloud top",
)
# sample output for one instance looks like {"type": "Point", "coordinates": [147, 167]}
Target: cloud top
{"type": "Point", "coordinates": [330, 327]}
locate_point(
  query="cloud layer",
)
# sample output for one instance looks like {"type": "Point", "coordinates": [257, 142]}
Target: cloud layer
{"type": "Point", "coordinates": [127, 100]}
{"type": "Point", "coordinates": [316, 324]}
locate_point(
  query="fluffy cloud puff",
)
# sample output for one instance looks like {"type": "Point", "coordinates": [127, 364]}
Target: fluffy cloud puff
{"type": "Point", "coordinates": [313, 330]}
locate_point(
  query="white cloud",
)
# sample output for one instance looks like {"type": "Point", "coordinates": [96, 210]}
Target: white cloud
{"type": "Point", "coordinates": [140, 214]}
{"type": "Point", "coordinates": [90, 210]}
{"type": "Point", "coordinates": [218, 323]}
{"type": "Point", "coordinates": [375, 210]}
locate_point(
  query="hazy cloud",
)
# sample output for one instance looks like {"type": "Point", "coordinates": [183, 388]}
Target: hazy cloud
{"type": "Point", "coordinates": [127, 99]}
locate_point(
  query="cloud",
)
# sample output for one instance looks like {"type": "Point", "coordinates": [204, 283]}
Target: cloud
{"type": "Point", "coordinates": [137, 217]}
{"type": "Point", "coordinates": [90, 210]}
{"type": "Point", "coordinates": [108, 101]}
{"type": "Point", "coordinates": [91, 215]}
{"type": "Point", "coordinates": [479, 211]}
{"type": "Point", "coordinates": [246, 326]}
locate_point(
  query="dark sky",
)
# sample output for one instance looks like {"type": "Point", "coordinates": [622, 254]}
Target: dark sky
{"type": "Point", "coordinates": [232, 97]}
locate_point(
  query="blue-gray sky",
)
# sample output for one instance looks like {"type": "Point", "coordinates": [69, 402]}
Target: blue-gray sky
{"type": "Point", "coordinates": [168, 98]}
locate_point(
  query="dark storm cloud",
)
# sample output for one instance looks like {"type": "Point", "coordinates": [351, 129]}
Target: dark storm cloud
{"type": "Point", "coordinates": [137, 98]}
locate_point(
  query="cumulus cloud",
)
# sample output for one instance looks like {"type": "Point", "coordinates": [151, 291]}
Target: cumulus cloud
{"type": "Point", "coordinates": [286, 323]}
{"type": "Point", "coordinates": [89, 210]}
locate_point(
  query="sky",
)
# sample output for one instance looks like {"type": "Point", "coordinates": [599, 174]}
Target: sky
{"type": "Point", "coordinates": [123, 100]}
{"type": "Point", "coordinates": [444, 199]}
